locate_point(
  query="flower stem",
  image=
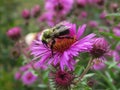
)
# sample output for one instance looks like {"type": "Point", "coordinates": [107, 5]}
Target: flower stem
{"type": "Point", "coordinates": [86, 70]}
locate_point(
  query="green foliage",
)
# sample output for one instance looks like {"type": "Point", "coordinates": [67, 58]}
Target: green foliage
{"type": "Point", "coordinates": [10, 11]}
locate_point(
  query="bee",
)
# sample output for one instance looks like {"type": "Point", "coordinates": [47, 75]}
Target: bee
{"type": "Point", "coordinates": [49, 36]}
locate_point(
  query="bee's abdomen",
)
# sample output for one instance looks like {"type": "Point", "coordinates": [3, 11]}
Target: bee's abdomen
{"type": "Point", "coordinates": [65, 32]}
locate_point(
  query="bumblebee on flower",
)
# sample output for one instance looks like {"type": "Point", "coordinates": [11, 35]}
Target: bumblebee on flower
{"type": "Point", "coordinates": [64, 46]}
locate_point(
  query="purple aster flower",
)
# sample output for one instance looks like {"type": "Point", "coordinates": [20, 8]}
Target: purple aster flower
{"type": "Point", "coordinates": [14, 33]}
{"type": "Point", "coordinates": [64, 49]}
{"type": "Point", "coordinates": [83, 15]}
{"type": "Point", "coordinates": [47, 17]}
{"type": "Point", "coordinates": [35, 11]}
{"type": "Point", "coordinates": [28, 78]}
{"type": "Point", "coordinates": [114, 6]}
{"type": "Point", "coordinates": [116, 31]}
{"type": "Point", "coordinates": [59, 7]}
{"type": "Point", "coordinates": [118, 47]}
{"type": "Point", "coordinates": [100, 29]}
{"type": "Point", "coordinates": [93, 24]}
{"type": "Point", "coordinates": [99, 2]}
{"type": "Point", "coordinates": [25, 67]}
{"type": "Point", "coordinates": [116, 56]}
{"type": "Point", "coordinates": [118, 65]}
{"type": "Point", "coordinates": [91, 82]}
{"type": "Point", "coordinates": [38, 66]}
{"type": "Point", "coordinates": [103, 15]}
{"type": "Point", "coordinates": [100, 48]}
{"type": "Point", "coordinates": [81, 3]}
{"type": "Point", "coordinates": [62, 79]}
{"type": "Point", "coordinates": [98, 64]}
{"type": "Point", "coordinates": [17, 75]}
{"type": "Point", "coordinates": [91, 1]}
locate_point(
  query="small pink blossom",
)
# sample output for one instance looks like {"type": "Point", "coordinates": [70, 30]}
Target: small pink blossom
{"type": "Point", "coordinates": [28, 78]}
{"type": "Point", "coordinates": [103, 15]}
{"type": "Point", "coordinates": [14, 33]}
{"type": "Point", "coordinates": [35, 11]}
{"type": "Point", "coordinates": [84, 14]}
{"type": "Point", "coordinates": [116, 56]}
{"type": "Point", "coordinates": [93, 24]}
{"type": "Point", "coordinates": [81, 3]}
{"type": "Point", "coordinates": [26, 14]}
{"type": "Point", "coordinates": [47, 17]}
{"type": "Point", "coordinates": [98, 64]}
{"type": "Point", "coordinates": [17, 75]}
{"type": "Point", "coordinates": [59, 7]}
{"type": "Point", "coordinates": [116, 31]}
{"type": "Point", "coordinates": [25, 67]}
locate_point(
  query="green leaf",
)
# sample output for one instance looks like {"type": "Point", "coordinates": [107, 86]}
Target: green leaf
{"type": "Point", "coordinates": [111, 35]}
{"type": "Point", "coordinates": [109, 77]}
{"type": "Point", "coordinates": [79, 69]}
{"type": "Point", "coordinates": [111, 64]}
{"type": "Point", "coordinates": [113, 14]}
{"type": "Point", "coordinates": [42, 85]}
{"type": "Point", "coordinates": [89, 75]}
{"type": "Point", "coordinates": [106, 79]}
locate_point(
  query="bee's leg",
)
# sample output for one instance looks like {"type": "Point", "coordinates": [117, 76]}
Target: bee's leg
{"type": "Point", "coordinates": [52, 44]}
{"type": "Point", "coordinates": [44, 42]}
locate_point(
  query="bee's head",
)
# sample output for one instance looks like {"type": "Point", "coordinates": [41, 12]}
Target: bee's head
{"type": "Point", "coordinates": [47, 33]}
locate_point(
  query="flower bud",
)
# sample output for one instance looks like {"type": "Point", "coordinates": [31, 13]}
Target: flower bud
{"type": "Point", "coordinates": [26, 14]}
{"type": "Point", "coordinates": [81, 3]}
{"type": "Point", "coordinates": [98, 64]}
{"type": "Point", "coordinates": [14, 33]}
{"type": "Point", "coordinates": [114, 6]}
{"type": "Point", "coordinates": [17, 75]}
{"type": "Point", "coordinates": [103, 15]}
{"type": "Point", "coordinates": [116, 31]}
{"type": "Point", "coordinates": [35, 11]}
{"type": "Point", "coordinates": [91, 82]}
{"type": "Point", "coordinates": [93, 24]}
{"type": "Point", "coordinates": [100, 2]}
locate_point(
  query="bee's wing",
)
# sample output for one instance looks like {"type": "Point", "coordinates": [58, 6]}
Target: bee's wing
{"type": "Point", "coordinates": [57, 26]}
{"type": "Point", "coordinates": [60, 29]}
{"type": "Point", "coordinates": [63, 30]}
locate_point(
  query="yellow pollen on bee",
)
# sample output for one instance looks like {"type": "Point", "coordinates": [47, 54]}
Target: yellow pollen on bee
{"type": "Point", "coordinates": [63, 44]}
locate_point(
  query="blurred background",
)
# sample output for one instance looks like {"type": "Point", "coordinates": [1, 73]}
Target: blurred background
{"type": "Point", "coordinates": [10, 16]}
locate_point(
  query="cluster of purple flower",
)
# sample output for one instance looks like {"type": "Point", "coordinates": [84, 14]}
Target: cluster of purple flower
{"type": "Point", "coordinates": [62, 56]}
{"type": "Point", "coordinates": [35, 11]}
{"type": "Point", "coordinates": [26, 75]}
{"type": "Point", "coordinates": [66, 49]}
